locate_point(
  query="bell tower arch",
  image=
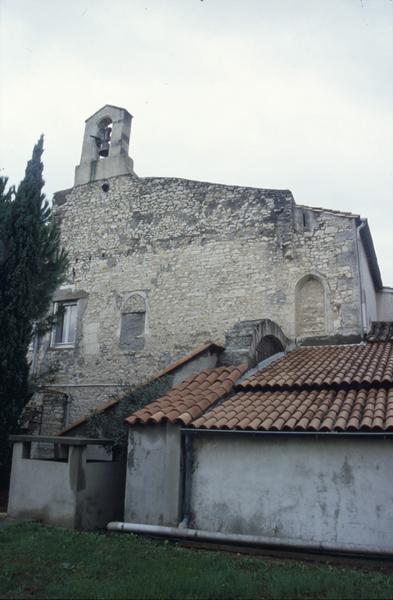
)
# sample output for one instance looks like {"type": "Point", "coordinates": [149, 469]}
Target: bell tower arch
{"type": "Point", "coordinates": [105, 146]}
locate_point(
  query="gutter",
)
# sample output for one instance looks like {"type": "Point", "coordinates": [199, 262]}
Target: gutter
{"type": "Point", "coordinates": [290, 434]}
{"type": "Point", "coordinates": [365, 235]}
{"type": "Point", "coordinates": [186, 481]}
{"type": "Point", "coordinates": [236, 538]}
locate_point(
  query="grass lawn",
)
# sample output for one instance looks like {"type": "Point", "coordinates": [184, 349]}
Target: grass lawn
{"type": "Point", "coordinates": [43, 562]}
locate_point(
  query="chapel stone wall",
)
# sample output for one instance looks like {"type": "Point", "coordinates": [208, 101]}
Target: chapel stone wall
{"type": "Point", "coordinates": [199, 257]}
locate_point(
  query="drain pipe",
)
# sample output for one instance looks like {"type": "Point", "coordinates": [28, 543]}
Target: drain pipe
{"type": "Point", "coordinates": [363, 315]}
{"type": "Point", "coordinates": [185, 500]}
{"type": "Point", "coordinates": [240, 539]}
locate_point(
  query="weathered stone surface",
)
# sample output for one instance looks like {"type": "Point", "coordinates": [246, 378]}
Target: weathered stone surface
{"type": "Point", "coordinates": [310, 308]}
{"type": "Point", "coordinates": [252, 341]}
{"type": "Point", "coordinates": [203, 256]}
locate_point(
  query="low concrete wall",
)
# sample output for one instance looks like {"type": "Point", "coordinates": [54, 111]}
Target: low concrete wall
{"type": "Point", "coordinates": [153, 475]}
{"type": "Point", "coordinates": [70, 492]}
{"type": "Point", "coordinates": [103, 497]}
{"type": "Point", "coordinates": [43, 490]}
{"type": "Point", "coordinates": [337, 492]}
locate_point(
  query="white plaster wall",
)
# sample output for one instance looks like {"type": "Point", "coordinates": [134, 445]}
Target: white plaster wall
{"type": "Point", "coordinates": [102, 500]}
{"type": "Point", "coordinates": [208, 360]}
{"type": "Point", "coordinates": [41, 490]}
{"type": "Point", "coordinates": [70, 494]}
{"type": "Point", "coordinates": [336, 492]}
{"type": "Point", "coordinates": [385, 304]}
{"type": "Point", "coordinates": [153, 475]}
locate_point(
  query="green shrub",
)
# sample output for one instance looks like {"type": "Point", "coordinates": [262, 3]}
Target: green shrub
{"type": "Point", "coordinates": [110, 423]}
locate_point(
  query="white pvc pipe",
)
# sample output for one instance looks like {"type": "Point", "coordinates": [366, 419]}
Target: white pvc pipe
{"type": "Point", "coordinates": [236, 538]}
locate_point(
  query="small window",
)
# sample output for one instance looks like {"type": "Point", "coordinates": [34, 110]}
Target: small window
{"type": "Point", "coordinates": [64, 332]}
{"type": "Point", "coordinates": [132, 324]}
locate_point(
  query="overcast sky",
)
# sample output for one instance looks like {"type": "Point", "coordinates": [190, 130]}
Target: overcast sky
{"type": "Point", "coordinates": [268, 93]}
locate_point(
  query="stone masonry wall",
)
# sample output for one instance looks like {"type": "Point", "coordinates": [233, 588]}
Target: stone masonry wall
{"type": "Point", "coordinates": [203, 256]}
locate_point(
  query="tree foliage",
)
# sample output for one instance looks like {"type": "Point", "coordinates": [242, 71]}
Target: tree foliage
{"type": "Point", "coordinates": [32, 265]}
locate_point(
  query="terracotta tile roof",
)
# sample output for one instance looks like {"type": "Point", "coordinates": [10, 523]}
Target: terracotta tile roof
{"type": "Point", "coordinates": [168, 370]}
{"type": "Point", "coordinates": [381, 331]}
{"type": "Point", "coordinates": [188, 400]}
{"type": "Point", "coordinates": [328, 366]}
{"type": "Point", "coordinates": [318, 410]}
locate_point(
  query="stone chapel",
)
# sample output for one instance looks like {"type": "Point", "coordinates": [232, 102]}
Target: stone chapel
{"type": "Point", "coordinates": [158, 266]}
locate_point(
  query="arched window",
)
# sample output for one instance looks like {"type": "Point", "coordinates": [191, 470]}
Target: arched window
{"type": "Point", "coordinates": [310, 307]}
{"type": "Point", "coordinates": [103, 139]}
{"type": "Point", "coordinates": [268, 346]}
{"type": "Point", "coordinates": [132, 325]}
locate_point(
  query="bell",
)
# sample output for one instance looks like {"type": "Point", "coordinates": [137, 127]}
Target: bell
{"type": "Point", "coordinates": [104, 149]}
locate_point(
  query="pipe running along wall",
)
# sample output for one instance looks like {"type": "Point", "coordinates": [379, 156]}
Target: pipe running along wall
{"type": "Point", "coordinates": [236, 538]}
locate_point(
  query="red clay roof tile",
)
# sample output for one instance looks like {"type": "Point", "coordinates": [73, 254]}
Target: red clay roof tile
{"type": "Point", "coordinates": [191, 398]}
{"type": "Point", "coordinates": [169, 369]}
{"type": "Point", "coordinates": [323, 388]}
{"type": "Point", "coordinates": [323, 410]}
{"type": "Point", "coordinates": [325, 366]}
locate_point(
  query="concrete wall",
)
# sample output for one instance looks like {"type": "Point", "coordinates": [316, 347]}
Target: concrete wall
{"type": "Point", "coordinates": [74, 493]}
{"type": "Point", "coordinates": [204, 256]}
{"type": "Point", "coordinates": [207, 360]}
{"type": "Point", "coordinates": [102, 499]}
{"type": "Point", "coordinates": [43, 490]}
{"type": "Point", "coordinates": [153, 475]}
{"type": "Point", "coordinates": [330, 491]}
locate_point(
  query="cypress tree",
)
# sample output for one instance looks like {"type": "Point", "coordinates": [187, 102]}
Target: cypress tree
{"type": "Point", "coordinates": [32, 265]}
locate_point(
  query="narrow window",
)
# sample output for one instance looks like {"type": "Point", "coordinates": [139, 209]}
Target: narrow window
{"type": "Point", "coordinates": [132, 324]}
{"type": "Point", "coordinates": [65, 327]}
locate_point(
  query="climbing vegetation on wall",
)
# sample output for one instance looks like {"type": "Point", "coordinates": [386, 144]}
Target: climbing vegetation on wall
{"type": "Point", "coordinates": [110, 424]}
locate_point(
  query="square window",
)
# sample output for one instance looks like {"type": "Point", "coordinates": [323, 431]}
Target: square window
{"type": "Point", "coordinates": [64, 331]}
